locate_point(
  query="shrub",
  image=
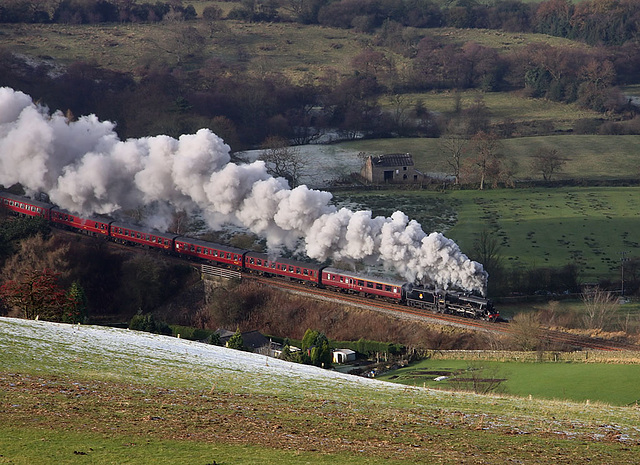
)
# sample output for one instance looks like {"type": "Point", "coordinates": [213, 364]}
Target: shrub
{"type": "Point", "coordinates": [149, 324]}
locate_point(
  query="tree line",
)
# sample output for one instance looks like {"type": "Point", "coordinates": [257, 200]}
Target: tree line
{"type": "Point", "coordinates": [611, 22]}
{"type": "Point", "coordinates": [246, 109]}
{"type": "Point", "coordinates": [91, 11]}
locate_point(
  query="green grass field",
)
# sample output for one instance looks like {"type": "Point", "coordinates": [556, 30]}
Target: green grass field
{"type": "Point", "coordinates": [579, 382]}
{"type": "Point", "coordinates": [535, 227]}
{"type": "Point", "coordinates": [82, 394]}
{"type": "Point", "coordinates": [501, 106]}
{"type": "Point", "coordinates": [587, 157]}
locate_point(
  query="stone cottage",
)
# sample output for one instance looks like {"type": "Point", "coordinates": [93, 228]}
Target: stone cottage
{"type": "Point", "coordinates": [392, 168]}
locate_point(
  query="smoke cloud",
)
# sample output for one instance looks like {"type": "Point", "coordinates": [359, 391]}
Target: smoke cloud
{"type": "Point", "coordinates": [86, 168]}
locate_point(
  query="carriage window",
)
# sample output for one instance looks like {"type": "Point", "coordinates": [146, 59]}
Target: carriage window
{"type": "Point", "coordinates": [305, 272]}
{"type": "Point", "coordinates": [360, 283]}
{"type": "Point", "coordinates": [259, 262]}
{"type": "Point", "coordinates": [192, 247]}
{"type": "Point", "coordinates": [198, 250]}
{"type": "Point", "coordinates": [126, 232]}
{"type": "Point", "coordinates": [251, 261]}
{"type": "Point", "coordinates": [290, 269]}
{"type": "Point", "coordinates": [215, 253]}
{"type": "Point", "coordinates": [379, 286]}
{"type": "Point", "coordinates": [297, 270]}
{"type": "Point", "coordinates": [273, 265]}
{"type": "Point", "coordinates": [138, 235]}
{"type": "Point", "coordinates": [387, 288]}
{"type": "Point", "coordinates": [341, 279]}
{"type": "Point", "coordinates": [369, 284]}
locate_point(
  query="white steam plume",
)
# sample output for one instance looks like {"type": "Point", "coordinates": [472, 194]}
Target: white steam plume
{"type": "Point", "coordinates": [85, 167]}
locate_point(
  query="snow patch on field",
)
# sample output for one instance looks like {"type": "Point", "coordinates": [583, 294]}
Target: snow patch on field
{"type": "Point", "coordinates": [139, 358]}
{"type": "Point", "coordinates": [152, 357]}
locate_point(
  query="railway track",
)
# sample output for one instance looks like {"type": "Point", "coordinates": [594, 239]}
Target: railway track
{"type": "Point", "coordinates": [501, 328]}
{"type": "Point", "coordinates": [399, 311]}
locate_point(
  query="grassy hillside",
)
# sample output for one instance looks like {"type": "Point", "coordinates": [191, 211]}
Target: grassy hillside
{"type": "Point", "coordinates": [292, 49]}
{"type": "Point", "coordinates": [74, 393]}
{"type": "Point", "coordinates": [502, 106]}
{"type": "Point", "coordinates": [587, 157]}
{"type": "Point", "coordinates": [535, 227]}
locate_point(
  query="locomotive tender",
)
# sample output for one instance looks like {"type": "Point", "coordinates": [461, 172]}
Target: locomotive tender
{"type": "Point", "coordinates": [437, 301]}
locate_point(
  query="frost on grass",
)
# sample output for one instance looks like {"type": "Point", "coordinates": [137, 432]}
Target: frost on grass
{"type": "Point", "coordinates": [139, 358]}
{"type": "Point", "coordinates": [143, 357]}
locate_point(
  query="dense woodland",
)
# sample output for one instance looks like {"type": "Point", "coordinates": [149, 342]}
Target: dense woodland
{"type": "Point", "coordinates": [246, 109]}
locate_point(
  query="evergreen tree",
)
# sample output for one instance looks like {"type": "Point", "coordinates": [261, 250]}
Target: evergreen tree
{"type": "Point", "coordinates": [76, 312]}
{"type": "Point", "coordinates": [236, 342]}
{"type": "Point", "coordinates": [315, 348]}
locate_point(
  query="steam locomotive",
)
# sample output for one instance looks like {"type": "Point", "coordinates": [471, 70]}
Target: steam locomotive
{"type": "Point", "coordinates": [403, 293]}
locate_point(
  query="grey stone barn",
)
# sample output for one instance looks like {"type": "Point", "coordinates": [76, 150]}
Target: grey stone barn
{"type": "Point", "coordinates": [392, 168]}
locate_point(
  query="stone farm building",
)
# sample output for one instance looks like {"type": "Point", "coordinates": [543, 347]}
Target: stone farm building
{"type": "Point", "coordinates": [392, 168]}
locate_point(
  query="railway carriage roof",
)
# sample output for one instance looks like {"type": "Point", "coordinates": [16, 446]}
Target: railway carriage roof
{"type": "Point", "coordinates": [373, 279]}
{"type": "Point", "coordinates": [19, 198]}
{"type": "Point", "coordinates": [210, 245]}
{"type": "Point", "coordinates": [284, 261]}
{"type": "Point", "coordinates": [88, 218]}
{"type": "Point", "coordinates": [152, 232]}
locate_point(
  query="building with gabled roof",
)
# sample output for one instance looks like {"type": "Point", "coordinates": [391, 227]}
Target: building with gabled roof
{"type": "Point", "coordinates": [343, 356]}
{"type": "Point", "coordinates": [392, 168]}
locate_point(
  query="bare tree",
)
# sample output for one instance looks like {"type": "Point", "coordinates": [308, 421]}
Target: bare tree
{"type": "Point", "coordinates": [183, 223]}
{"type": "Point", "coordinates": [477, 378]}
{"type": "Point", "coordinates": [38, 253]}
{"type": "Point", "coordinates": [455, 146]}
{"type": "Point", "coordinates": [526, 331]}
{"type": "Point", "coordinates": [283, 160]}
{"type": "Point", "coordinates": [600, 307]}
{"type": "Point", "coordinates": [400, 115]}
{"type": "Point", "coordinates": [486, 162]}
{"type": "Point", "coordinates": [487, 250]}
{"type": "Point", "coordinates": [180, 39]}
{"type": "Point", "coordinates": [547, 161]}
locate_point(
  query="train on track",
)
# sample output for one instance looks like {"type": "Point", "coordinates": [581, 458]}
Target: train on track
{"type": "Point", "coordinates": [403, 293]}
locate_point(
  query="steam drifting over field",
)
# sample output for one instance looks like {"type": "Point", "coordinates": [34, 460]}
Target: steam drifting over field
{"type": "Point", "coordinates": [85, 167]}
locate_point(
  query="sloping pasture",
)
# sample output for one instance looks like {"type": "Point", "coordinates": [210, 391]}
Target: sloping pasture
{"type": "Point", "coordinates": [79, 394]}
{"type": "Point", "coordinates": [541, 227]}
{"type": "Point", "coordinates": [587, 157]}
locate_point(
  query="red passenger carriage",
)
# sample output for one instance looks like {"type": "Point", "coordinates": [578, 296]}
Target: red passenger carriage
{"type": "Point", "coordinates": [25, 207]}
{"type": "Point", "coordinates": [359, 284]}
{"type": "Point", "coordinates": [293, 269]}
{"type": "Point", "coordinates": [130, 234]}
{"type": "Point", "coordinates": [90, 225]}
{"type": "Point", "coordinates": [210, 251]}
